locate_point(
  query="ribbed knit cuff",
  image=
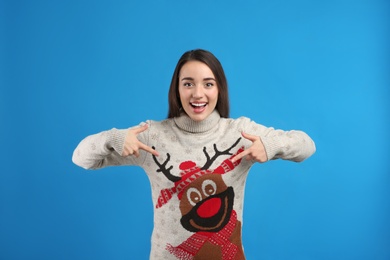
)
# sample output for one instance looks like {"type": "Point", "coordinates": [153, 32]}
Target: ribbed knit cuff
{"type": "Point", "coordinates": [271, 145]}
{"type": "Point", "coordinates": [117, 139]}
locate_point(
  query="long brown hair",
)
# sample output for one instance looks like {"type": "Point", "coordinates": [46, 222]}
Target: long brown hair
{"type": "Point", "coordinates": [215, 66]}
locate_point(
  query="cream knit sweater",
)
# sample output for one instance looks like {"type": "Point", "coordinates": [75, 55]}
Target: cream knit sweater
{"type": "Point", "coordinates": [197, 191]}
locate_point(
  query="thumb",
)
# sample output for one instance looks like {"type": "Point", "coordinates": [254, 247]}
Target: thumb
{"type": "Point", "coordinates": [249, 137]}
{"type": "Point", "coordinates": [140, 129]}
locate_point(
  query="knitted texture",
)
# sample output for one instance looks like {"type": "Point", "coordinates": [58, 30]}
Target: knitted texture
{"type": "Point", "coordinates": [197, 190]}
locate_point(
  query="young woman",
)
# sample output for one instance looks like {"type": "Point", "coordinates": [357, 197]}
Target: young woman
{"type": "Point", "coordinates": [197, 161]}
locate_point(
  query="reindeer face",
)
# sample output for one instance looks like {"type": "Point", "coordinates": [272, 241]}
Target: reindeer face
{"type": "Point", "coordinates": [206, 204]}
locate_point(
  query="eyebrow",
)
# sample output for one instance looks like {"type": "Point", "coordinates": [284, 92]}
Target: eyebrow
{"type": "Point", "coordinates": [205, 79]}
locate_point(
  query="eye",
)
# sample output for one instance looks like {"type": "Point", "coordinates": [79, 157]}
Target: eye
{"type": "Point", "coordinates": [209, 85]}
{"type": "Point", "coordinates": [193, 196]}
{"type": "Point", "coordinates": [187, 84]}
{"type": "Point", "coordinates": [209, 187]}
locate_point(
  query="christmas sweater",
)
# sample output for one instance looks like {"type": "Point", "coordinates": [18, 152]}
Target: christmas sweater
{"type": "Point", "coordinates": [197, 191]}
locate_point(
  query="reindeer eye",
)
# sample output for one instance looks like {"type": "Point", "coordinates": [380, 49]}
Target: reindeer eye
{"type": "Point", "coordinates": [193, 196]}
{"type": "Point", "coordinates": [209, 187]}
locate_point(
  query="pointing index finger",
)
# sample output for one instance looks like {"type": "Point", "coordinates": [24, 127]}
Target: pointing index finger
{"type": "Point", "coordinates": [240, 156]}
{"type": "Point", "coordinates": [148, 149]}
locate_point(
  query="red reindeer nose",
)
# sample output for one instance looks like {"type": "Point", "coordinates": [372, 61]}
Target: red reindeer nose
{"type": "Point", "coordinates": [209, 208]}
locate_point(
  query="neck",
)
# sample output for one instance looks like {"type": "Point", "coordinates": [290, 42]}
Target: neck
{"type": "Point", "coordinates": [185, 123]}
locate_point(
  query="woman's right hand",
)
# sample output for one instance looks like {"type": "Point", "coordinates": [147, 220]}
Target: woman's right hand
{"type": "Point", "coordinates": [133, 145]}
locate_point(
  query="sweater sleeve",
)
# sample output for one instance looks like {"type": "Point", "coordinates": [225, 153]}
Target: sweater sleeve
{"type": "Point", "coordinates": [293, 145]}
{"type": "Point", "coordinates": [103, 149]}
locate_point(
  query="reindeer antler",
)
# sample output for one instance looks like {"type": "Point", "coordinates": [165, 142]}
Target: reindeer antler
{"type": "Point", "coordinates": [164, 170]}
{"type": "Point", "coordinates": [210, 161]}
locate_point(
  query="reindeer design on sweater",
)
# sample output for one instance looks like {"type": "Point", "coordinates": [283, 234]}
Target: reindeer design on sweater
{"type": "Point", "coordinates": [206, 206]}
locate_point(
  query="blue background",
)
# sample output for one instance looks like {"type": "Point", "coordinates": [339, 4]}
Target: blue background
{"type": "Point", "coordinates": [73, 68]}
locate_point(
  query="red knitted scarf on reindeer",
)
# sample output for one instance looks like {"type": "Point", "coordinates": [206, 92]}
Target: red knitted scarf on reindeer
{"type": "Point", "coordinates": [188, 249]}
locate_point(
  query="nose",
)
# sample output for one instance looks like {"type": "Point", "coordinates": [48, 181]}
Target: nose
{"type": "Point", "coordinates": [197, 92]}
{"type": "Point", "coordinates": [209, 207]}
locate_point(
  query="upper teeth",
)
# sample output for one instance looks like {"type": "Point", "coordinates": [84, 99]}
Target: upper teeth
{"type": "Point", "coordinates": [198, 104]}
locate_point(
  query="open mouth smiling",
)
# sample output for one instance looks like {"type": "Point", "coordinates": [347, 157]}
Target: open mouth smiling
{"type": "Point", "coordinates": [198, 105]}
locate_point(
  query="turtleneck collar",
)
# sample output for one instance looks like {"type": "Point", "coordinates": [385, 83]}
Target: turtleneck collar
{"type": "Point", "coordinates": [185, 123]}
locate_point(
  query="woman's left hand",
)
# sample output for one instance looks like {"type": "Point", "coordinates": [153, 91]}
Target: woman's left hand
{"type": "Point", "coordinates": [255, 152]}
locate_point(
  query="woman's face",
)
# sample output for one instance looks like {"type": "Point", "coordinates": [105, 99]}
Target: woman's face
{"type": "Point", "coordinates": [198, 90]}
